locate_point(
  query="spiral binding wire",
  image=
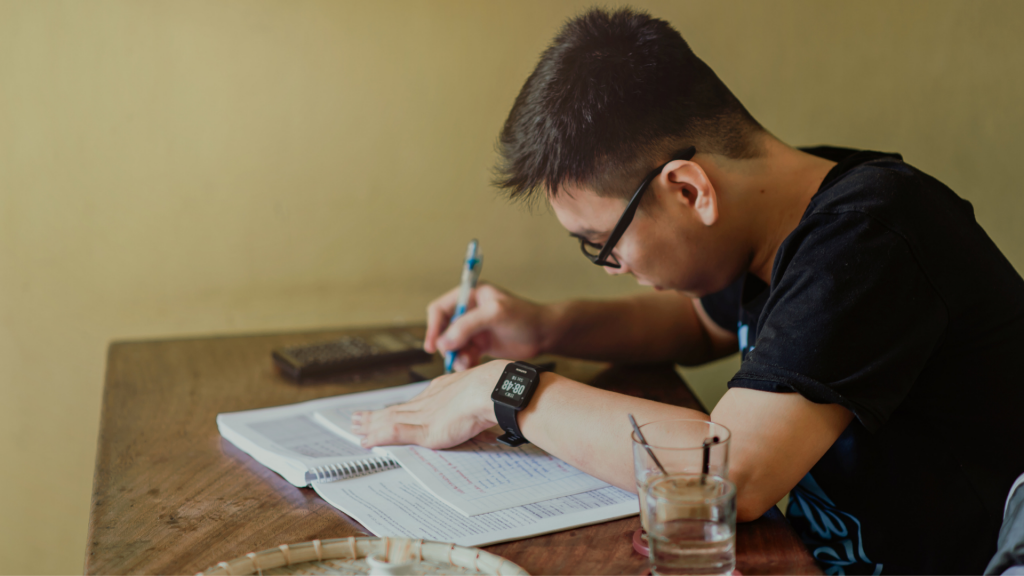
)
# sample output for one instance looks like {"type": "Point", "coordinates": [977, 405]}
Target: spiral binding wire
{"type": "Point", "coordinates": [334, 472]}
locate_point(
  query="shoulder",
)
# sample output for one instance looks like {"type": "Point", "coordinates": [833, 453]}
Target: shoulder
{"type": "Point", "coordinates": [874, 208]}
{"type": "Point", "coordinates": [872, 201]}
{"type": "Point", "coordinates": [881, 186]}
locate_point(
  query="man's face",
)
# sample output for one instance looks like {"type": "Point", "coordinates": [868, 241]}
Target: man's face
{"type": "Point", "coordinates": [661, 248]}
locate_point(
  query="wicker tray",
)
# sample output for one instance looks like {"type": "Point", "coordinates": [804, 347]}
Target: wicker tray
{"type": "Point", "coordinates": [348, 556]}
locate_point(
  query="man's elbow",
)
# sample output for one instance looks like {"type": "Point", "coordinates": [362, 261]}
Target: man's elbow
{"type": "Point", "coordinates": [751, 507]}
{"type": "Point", "coordinates": [754, 496]}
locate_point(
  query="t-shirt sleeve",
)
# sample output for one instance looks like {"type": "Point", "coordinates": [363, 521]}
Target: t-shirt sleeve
{"type": "Point", "coordinates": [851, 319]}
{"type": "Point", "coordinates": [723, 307]}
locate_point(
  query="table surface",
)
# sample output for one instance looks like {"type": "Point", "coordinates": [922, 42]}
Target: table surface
{"type": "Point", "coordinates": [170, 496]}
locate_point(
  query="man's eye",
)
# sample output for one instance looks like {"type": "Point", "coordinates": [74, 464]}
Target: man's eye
{"type": "Point", "coordinates": [590, 246]}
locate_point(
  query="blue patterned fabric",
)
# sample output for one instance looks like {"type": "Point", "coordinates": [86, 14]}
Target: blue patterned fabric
{"type": "Point", "coordinates": [833, 537]}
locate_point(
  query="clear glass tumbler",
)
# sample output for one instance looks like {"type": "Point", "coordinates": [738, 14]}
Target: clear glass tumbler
{"type": "Point", "coordinates": [692, 524]}
{"type": "Point", "coordinates": [679, 446]}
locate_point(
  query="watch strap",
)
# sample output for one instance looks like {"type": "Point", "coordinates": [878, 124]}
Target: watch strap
{"type": "Point", "coordinates": [506, 416]}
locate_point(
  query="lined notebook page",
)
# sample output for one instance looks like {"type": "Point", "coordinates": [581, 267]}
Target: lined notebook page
{"type": "Point", "coordinates": [483, 475]}
{"type": "Point", "coordinates": [479, 476]}
{"type": "Point", "coordinates": [393, 504]}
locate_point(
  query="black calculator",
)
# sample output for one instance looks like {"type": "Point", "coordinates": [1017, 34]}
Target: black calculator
{"type": "Point", "coordinates": [318, 360]}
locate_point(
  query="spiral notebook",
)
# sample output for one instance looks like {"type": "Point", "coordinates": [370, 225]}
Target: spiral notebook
{"type": "Point", "coordinates": [310, 443]}
{"type": "Point", "coordinates": [292, 442]}
{"type": "Point", "coordinates": [476, 494]}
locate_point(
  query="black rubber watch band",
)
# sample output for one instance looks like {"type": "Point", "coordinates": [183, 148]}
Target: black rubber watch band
{"type": "Point", "coordinates": [507, 420]}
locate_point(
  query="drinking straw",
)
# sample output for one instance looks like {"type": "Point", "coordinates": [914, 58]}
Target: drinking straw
{"type": "Point", "coordinates": [705, 465]}
{"type": "Point", "coordinates": [643, 442]}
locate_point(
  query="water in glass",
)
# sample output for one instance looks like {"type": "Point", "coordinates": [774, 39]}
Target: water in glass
{"type": "Point", "coordinates": [692, 547]}
{"type": "Point", "coordinates": [691, 524]}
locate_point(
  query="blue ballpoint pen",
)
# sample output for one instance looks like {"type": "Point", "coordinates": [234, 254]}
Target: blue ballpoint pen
{"type": "Point", "coordinates": [470, 274]}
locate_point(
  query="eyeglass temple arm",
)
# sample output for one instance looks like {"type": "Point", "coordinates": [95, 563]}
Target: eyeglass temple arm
{"type": "Point", "coordinates": [634, 203]}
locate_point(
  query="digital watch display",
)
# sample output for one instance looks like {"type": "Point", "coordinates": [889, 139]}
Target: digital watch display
{"type": "Point", "coordinates": [511, 394]}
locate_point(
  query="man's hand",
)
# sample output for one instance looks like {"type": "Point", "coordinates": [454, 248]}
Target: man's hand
{"type": "Point", "coordinates": [495, 323]}
{"type": "Point", "coordinates": [453, 409]}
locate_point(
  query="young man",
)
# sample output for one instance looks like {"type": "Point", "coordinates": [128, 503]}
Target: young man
{"type": "Point", "coordinates": [877, 321]}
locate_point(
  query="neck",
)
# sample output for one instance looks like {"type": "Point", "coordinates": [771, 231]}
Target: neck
{"type": "Point", "coordinates": [769, 195]}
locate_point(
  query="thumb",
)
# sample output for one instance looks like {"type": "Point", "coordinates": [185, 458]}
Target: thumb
{"type": "Point", "coordinates": [462, 330]}
{"type": "Point", "coordinates": [469, 356]}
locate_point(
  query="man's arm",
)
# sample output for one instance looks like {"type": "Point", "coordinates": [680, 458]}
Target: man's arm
{"type": "Point", "coordinates": [655, 327]}
{"type": "Point", "coordinates": [645, 328]}
{"type": "Point", "coordinates": [776, 438]}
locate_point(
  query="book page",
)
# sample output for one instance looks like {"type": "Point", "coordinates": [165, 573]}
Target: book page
{"type": "Point", "coordinates": [338, 416]}
{"type": "Point", "coordinates": [483, 475]}
{"type": "Point", "coordinates": [303, 435]}
{"type": "Point", "coordinates": [477, 477]}
{"type": "Point", "coordinates": [393, 503]}
{"type": "Point", "coordinates": [290, 441]}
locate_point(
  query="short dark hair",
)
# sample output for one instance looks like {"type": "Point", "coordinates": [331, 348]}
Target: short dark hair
{"type": "Point", "coordinates": [613, 95]}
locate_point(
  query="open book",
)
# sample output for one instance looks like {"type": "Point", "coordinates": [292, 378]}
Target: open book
{"type": "Point", "coordinates": [481, 492]}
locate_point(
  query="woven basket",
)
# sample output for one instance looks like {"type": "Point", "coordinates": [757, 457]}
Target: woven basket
{"type": "Point", "coordinates": [348, 556]}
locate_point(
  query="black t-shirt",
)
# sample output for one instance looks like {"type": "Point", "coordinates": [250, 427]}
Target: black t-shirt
{"type": "Point", "coordinates": [890, 300]}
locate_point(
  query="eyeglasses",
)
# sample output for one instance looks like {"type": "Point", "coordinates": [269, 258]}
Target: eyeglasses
{"type": "Point", "coordinates": [602, 255]}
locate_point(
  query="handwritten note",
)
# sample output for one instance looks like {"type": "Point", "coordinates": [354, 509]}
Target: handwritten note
{"type": "Point", "coordinates": [484, 475]}
{"type": "Point", "coordinates": [394, 504]}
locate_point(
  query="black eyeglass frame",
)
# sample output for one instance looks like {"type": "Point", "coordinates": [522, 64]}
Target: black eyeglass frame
{"type": "Point", "coordinates": [601, 259]}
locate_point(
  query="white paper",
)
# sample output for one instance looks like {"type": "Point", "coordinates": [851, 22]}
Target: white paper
{"type": "Point", "coordinates": [289, 440]}
{"type": "Point", "coordinates": [393, 504]}
{"type": "Point", "coordinates": [337, 416]}
{"type": "Point", "coordinates": [302, 435]}
{"type": "Point", "coordinates": [483, 475]}
{"type": "Point", "coordinates": [479, 476]}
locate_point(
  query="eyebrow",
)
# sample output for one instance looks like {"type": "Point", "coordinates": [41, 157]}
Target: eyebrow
{"type": "Point", "coordinates": [585, 232]}
{"type": "Point", "coordinates": [580, 237]}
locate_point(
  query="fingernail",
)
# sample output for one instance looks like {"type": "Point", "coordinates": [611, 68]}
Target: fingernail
{"type": "Point", "coordinates": [357, 418]}
{"type": "Point", "coordinates": [363, 441]}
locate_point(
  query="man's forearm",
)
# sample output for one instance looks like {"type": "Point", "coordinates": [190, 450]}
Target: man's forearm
{"type": "Point", "coordinates": [588, 428]}
{"type": "Point", "coordinates": [645, 328]}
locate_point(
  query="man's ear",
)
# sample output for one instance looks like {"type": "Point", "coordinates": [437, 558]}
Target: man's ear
{"type": "Point", "coordinates": [690, 185]}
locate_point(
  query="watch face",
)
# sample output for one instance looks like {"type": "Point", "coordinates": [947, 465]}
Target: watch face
{"type": "Point", "coordinates": [515, 387]}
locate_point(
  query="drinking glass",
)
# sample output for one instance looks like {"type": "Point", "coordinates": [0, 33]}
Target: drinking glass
{"type": "Point", "coordinates": [692, 524]}
{"type": "Point", "coordinates": [679, 446]}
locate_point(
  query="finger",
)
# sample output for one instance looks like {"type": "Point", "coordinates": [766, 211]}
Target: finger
{"type": "Point", "coordinates": [468, 325]}
{"type": "Point", "coordinates": [366, 422]}
{"type": "Point", "coordinates": [482, 341]}
{"type": "Point", "coordinates": [468, 357]}
{"type": "Point", "coordinates": [361, 422]}
{"type": "Point", "coordinates": [394, 434]}
{"type": "Point", "coordinates": [438, 313]}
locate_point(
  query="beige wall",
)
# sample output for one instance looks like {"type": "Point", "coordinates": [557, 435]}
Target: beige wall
{"type": "Point", "coordinates": [177, 168]}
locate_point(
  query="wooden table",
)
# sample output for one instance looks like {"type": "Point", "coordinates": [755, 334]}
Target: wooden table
{"type": "Point", "coordinates": [171, 496]}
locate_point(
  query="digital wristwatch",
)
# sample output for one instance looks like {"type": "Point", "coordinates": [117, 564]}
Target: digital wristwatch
{"type": "Point", "coordinates": [511, 394]}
